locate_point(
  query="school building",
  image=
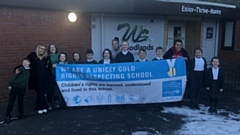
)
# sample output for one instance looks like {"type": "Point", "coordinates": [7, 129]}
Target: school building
{"type": "Point", "coordinates": [211, 25]}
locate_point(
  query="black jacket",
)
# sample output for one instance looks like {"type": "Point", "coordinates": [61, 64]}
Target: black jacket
{"type": "Point", "coordinates": [209, 78]}
{"type": "Point", "coordinates": [191, 67]}
{"type": "Point", "coordinates": [34, 71]}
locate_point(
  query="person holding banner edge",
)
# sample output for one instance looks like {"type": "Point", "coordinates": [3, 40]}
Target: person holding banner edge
{"type": "Point", "coordinates": [196, 74]}
{"type": "Point", "coordinates": [177, 51]}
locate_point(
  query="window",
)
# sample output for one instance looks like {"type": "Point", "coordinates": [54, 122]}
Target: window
{"type": "Point", "coordinates": [228, 35]}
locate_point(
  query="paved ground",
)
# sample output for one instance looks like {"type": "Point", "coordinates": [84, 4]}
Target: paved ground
{"type": "Point", "coordinates": [111, 120]}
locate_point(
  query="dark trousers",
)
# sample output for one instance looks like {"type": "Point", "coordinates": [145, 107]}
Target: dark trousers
{"type": "Point", "coordinates": [16, 92]}
{"type": "Point", "coordinates": [41, 102]}
{"type": "Point", "coordinates": [196, 86]}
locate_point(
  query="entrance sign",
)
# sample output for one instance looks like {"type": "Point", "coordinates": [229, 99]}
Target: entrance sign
{"type": "Point", "coordinates": [122, 83]}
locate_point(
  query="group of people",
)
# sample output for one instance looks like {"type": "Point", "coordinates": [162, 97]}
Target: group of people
{"type": "Point", "coordinates": [37, 72]}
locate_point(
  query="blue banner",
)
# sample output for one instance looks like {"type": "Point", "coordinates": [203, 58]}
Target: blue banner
{"type": "Point", "coordinates": [122, 83]}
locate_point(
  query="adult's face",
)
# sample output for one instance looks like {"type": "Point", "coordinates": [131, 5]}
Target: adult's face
{"type": "Point", "coordinates": [115, 45]}
{"type": "Point", "coordinates": [52, 49]}
{"type": "Point", "coordinates": [41, 50]}
{"type": "Point", "coordinates": [106, 54]}
{"type": "Point", "coordinates": [124, 46]}
{"type": "Point", "coordinates": [178, 46]}
{"type": "Point", "coordinates": [159, 53]}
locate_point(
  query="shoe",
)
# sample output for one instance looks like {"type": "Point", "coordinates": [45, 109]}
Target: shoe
{"type": "Point", "coordinates": [44, 110]}
{"type": "Point", "coordinates": [49, 106]}
{"type": "Point", "coordinates": [40, 111]}
{"type": "Point", "coordinates": [7, 120]}
{"type": "Point", "coordinates": [57, 104]}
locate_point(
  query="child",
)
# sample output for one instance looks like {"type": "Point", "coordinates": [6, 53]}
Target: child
{"type": "Point", "coordinates": [196, 74]}
{"type": "Point", "coordinates": [159, 53]}
{"type": "Point", "coordinates": [76, 58]}
{"type": "Point", "coordinates": [214, 84]}
{"type": "Point", "coordinates": [107, 57]}
{"type": "Point", "coordinates": [124, 55]}
{"type": "Point", "coordinates": [17, 87]}
{"type": "Point", "coordinates": [159, 56]}
{"type": "Point", "coordinates": [142, 55]}
{"type": "Point", "coordinates": [57, 95]}
{"type": "Point", "coordinates": [90, 54]}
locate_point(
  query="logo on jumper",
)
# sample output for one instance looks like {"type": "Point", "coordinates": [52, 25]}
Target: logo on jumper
{"type": "Point", "coordinates": [142, 33]}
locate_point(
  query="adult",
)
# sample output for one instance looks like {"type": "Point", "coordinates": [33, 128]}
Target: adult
{"type": "Point", "coordinates": [124, 55]}
{"type": "Point", "coordinates": [40, 71]}
{"type": "Point", "coordinates": [107, 57]}
{"type": "Point", "coordinates": [52, 52]}
{"type": "Point", "coordinates": [115, 48]}
{"type": "Point", "coordinates": [177, 51]}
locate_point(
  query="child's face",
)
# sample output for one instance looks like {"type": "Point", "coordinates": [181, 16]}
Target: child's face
{"type": "Point", "coordinates": [106, 54]}
{"type": "Point", "coordinates": [124, 46]}
{"type": "Point", "coordinates": [62, 58]}
{"type": "Point", "coordinates": [198, 53]}
{"type": "Point", "coordinates": [215, 63]}
{"type": "Point", "coordinates": [142, 55]}
{"type": "Point", "coordinates": [115, 45]}
{"type": "Point", "coordinates": [159, 53]}
{"type": "Point", "coordinates": [89, 56]}
{"type": "Point", "coordinates": [25, 63]}
{"type": "Point", "coordinates": [76, 57]}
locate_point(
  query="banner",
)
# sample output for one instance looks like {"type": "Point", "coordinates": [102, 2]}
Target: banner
{"type": "Point", "coordinates": [122, 83]}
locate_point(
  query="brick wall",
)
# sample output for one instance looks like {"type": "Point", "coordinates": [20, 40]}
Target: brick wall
{"type": "Point", "coordinates": [230, 56]}
{"type": "Point", "coordinates": [21, 30]}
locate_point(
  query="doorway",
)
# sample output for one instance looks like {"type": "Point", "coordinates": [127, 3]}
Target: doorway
{"type": "Point", "coordinates": [175, 31]}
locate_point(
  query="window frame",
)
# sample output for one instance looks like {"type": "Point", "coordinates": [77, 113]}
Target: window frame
{"type": "Point", "coordinates": [224, 22]}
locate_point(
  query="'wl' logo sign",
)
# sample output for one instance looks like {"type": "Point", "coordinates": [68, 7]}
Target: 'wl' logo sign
{"type": "Point", "coordinates": [142, 36]}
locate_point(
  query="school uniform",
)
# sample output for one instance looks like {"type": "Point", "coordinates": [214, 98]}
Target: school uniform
{"type": "Point", "coordinates": [105, 61]}
{"type": "Point", "coordinates": [91, 62]}
{"type": "Point", "coordinates": [196, 75]}
{"type": "Point", "coordinates": [144, 60]}
{"type": "Point", "coordinates": [214, 81]}
{"type": "Point", "coordinates": [124, 57]}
